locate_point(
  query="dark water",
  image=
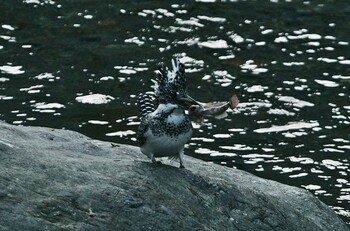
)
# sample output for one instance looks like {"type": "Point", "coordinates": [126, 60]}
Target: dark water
{"type": "Point", "coordinates": [288, 61]}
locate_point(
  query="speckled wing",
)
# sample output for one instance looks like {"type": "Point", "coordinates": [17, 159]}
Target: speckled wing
{"type": "Point", "coordinates": [144, 126]}
{"type": "Point", "coordinates": [145, 103]}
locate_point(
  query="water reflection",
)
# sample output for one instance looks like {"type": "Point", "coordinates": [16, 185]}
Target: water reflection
{"type": "Point", "coordinates": [290, 126]}
{"type": "Point", "coordinates": [13, 70]}
{"type": "Point", "coordinates": [94, 99]}
{"type": "Point", "coordinates": [80, 66]}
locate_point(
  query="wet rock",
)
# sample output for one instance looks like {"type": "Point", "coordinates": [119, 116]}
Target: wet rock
{"type": "Point", "coordinates": [60, 180]}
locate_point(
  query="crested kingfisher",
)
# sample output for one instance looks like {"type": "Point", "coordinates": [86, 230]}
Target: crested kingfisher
{"type": "Point", "coordinates": [165, 128]}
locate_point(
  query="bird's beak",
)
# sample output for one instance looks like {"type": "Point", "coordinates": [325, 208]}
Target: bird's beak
{"type": "Point", "coordinates": [186, 101]}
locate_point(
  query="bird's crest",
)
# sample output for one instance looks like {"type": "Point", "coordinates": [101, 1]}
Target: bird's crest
{"type": "Point", "coordinates": [169, 81]}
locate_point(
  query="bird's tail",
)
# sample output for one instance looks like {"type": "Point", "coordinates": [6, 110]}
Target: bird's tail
{"type": "Point", "coordinates": [145, 103]}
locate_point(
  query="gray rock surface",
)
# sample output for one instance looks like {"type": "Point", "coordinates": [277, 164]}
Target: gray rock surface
{"type": "Point", "coordinates": [61, 180]}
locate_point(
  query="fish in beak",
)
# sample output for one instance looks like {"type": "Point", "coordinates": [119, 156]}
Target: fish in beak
{"type": "Point", "coordinates": [186, 101]}
{"type": "Point", "coordinates": [213, 109]}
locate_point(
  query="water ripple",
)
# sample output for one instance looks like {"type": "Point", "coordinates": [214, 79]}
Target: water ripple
{"type": "Point", "coordinates": [82, 69]}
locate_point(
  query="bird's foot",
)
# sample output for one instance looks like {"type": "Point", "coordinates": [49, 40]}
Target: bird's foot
{"type": "Point", "coordinates": [181, 160]}
{"type": "Point", "coordinates": [154, 161]}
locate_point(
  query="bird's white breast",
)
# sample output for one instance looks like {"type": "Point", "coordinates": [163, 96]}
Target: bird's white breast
{"type": "Point", "coordinates": [165, 145]}
{"type": "Point", "coordinates": [176, 117]}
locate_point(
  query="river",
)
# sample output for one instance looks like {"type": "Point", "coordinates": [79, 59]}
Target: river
{"type": "Point", "coordinates": [79, 65]}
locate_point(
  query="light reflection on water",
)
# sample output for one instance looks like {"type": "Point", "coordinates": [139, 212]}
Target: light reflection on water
{"type": "Point", "coordinates": [81, 66]}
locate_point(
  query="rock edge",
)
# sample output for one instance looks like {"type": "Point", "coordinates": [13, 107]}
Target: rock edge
{"type": "Point", "coordinates": [52, 179]}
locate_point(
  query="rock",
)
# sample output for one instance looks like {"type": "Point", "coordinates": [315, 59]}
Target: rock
{"type": "Point", "coordinates": [53, 179]}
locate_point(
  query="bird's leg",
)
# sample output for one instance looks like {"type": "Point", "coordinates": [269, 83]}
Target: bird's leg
{"type": "Point", "coordinates": [181, 165]}
{"type": "Point", "coordinates": [181, 158]}
{"type": "Point", "coordinates": [154, 160]}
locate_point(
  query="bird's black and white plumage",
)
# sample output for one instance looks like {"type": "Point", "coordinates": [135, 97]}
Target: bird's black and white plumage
{"type": "Point", "coordinates": [165, 128]}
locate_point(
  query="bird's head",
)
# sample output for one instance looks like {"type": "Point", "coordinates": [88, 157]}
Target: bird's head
{"type": "Point", "coordinates": [171, 85]}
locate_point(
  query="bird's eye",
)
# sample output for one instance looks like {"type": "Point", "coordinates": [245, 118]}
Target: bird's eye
{"type": "Point", "coordinates": [172, 93]}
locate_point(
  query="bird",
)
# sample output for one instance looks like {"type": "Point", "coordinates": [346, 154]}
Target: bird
{"type": "Point", "coordinates": [165, 128]}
